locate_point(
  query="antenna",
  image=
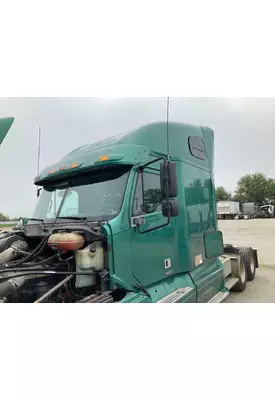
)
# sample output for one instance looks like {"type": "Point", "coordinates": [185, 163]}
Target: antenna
{"type": "Point", "coordinates": [38, 151]}
{"type": "Point", "coordinates": [167, 126]}
{"type": "Point", "coordinates": [38, 158]}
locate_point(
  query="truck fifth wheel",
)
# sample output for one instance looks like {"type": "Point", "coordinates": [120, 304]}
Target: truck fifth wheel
{"type": "Point", "coordinates": [129, 219]}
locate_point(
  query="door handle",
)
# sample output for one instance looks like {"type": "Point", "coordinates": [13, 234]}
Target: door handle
{"type": "Point", "coordinates": [137, 221]}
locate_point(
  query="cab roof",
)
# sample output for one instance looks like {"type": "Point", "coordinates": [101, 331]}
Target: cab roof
{"type": "Point", "coordinates": [135, 147]}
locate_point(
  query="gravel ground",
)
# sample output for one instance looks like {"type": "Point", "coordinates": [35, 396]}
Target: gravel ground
{"type": "Point", "coordinates": [261, 290]}
{"type": "Point", "coordinates": [5, 229]}
{"type": "Point", "coordinates": [260, 234]}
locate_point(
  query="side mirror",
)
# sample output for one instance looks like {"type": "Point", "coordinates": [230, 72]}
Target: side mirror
{"type": "Point", "coordinates": [168, 179]}
{"type": "Point", "coordinates": [213, 243]}
{"type": "Point", "coordinates": [173, 205]}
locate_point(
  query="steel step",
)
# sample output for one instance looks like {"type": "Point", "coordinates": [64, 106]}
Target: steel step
{"type": "Point", "coordinates": [219, 297]}
{"type": "Point", "coordinates": [230, 282]}
{"type": "Point", "coordinates": [176, 296]}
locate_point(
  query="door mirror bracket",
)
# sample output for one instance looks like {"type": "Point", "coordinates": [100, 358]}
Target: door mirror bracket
{"type": "Point", "coordinates": [169, 189]}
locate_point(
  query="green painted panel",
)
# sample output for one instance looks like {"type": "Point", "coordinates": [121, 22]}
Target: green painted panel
{"type": "Point", "coordinates": [150, 250]}
{"type": "Point", "coordinates": [163, 289]}
{"type": "Point", "coordinates": [208, 279]}
{"type": "Point", "coordinates": [182, 241]}
{"type": "Point", "coordinates": [5, 124]}
{"type": "Point", "coordinates": [136, 298]}
{"type": "Point", "coordinates": [123, 260]}
{"type": "Point", "coordinates": [170, 285]}
{"type": "Point", "coordinates": [135, 147]}
{"type": "Point", "coordinates": [88, 160]}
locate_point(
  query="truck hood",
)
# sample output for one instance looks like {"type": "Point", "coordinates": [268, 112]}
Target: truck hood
{"type": "Point", "coordinates": [5, 124]}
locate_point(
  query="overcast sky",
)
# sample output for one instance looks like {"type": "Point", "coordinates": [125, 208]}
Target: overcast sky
{"type": "Point", "coordinates": [244, 135]}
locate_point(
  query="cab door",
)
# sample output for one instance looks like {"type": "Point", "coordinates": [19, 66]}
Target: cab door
{"type": "Point", "coordinates": [152, 252]}
{"type": "Point", "coordinates": [207, 273]}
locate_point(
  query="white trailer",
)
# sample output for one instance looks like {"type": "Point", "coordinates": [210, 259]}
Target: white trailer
{"type": "Point", "coordinates": [228, 209]}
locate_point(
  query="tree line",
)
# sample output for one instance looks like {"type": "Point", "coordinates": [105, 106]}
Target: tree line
{"type": "Point", "coordinates": [6, 218]}
{"type": "Point", "coordinates": [256, 188]}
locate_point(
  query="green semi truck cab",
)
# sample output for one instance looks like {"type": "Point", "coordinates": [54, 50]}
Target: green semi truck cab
{"type": "Point", "coordinates": [137, 215]}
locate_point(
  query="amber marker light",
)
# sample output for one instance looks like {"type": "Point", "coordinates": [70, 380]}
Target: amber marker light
{"type": "Point", "coordinates": [104, 158]}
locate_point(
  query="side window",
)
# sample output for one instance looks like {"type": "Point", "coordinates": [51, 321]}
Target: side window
{"type": "Point", "coordinates": [147, 198]}
{"type": "Point", "coordinates": [197, 147]}
{"type": "Point", "coordinates": [152, 193]}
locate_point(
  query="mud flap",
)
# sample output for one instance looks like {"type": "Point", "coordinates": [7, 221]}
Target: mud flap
{"type": "Point", "coordinates": [255, 255]}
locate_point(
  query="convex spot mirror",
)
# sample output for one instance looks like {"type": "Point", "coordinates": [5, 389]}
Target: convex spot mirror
{"type": "Point", "coordinates": [168, 180]}
{"type": "Point", "coordinates": [174, 208]}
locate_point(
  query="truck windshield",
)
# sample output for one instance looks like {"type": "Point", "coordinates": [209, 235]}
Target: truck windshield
{"type": "Point", "coordinates": [97, 197]}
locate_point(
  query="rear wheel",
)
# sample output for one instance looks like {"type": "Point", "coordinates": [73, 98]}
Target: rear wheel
{"type": "Point", "coordinates": [241, 285]}
{"type": "Point", "coordinates": [249, 261]}
{"type": "Point", "coordinates": [252, 270]}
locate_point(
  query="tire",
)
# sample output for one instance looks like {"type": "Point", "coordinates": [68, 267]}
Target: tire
{"type": "Point", "coordinates": [241, 285]}
{"type": "Point", "coordinates": [250, 262]}
{"type": "Point", "coordinates": [253, 265]}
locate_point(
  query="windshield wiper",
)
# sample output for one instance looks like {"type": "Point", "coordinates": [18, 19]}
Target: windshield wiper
{"type": "Point", "coordinates": [78, 219]}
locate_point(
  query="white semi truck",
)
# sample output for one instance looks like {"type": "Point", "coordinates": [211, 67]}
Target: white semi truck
{"type": "Point", "coordinates": [267, 211]}
{"type": "Point", "coordinates": [228, 209]}
{"type": "Point", "coordinates": [235, 210]}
